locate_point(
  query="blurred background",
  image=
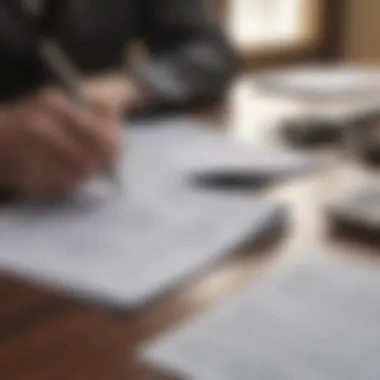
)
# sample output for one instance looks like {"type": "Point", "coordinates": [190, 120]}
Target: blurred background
{"type": "Point", "coordinates": [278, 32]}
{"type": "Point", "coordinates": [290, 34]}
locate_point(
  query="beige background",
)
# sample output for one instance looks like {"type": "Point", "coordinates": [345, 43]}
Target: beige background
{"type": "Point", "coordinates": [362, 30]}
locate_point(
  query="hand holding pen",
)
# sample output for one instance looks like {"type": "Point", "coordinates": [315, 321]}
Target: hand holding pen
{"type": "Point", "coordinates": [66, 76]}
{"type": "Point", "coordinates": [57, 138]}
{"type": "Point", "coordinates": [49, 146]}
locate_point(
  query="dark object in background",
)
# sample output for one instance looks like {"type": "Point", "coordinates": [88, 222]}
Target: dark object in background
{"type": "Point", "coordinates": [363, 137]}
{"type": "Point", "coordinates": [310, 132]}
{"type": "Point", "coordinates": [358, 214]}
{"type": "Point", "coordinates": [366, 120]}
{"type": "Point", "coordinates": [325, 86]}
{"type": "Point", "coordinates": [369, 151]}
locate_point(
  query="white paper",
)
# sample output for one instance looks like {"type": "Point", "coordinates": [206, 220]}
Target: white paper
{"type": "Point", "coordinates": [317, 319]}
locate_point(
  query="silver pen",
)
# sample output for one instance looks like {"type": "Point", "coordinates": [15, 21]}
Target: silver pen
{"type": "Point", "coordinates": [57, 62]}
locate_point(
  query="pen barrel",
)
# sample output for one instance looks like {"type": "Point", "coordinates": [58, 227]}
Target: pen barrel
{"type": "Point", "coordinates": [63, 71]}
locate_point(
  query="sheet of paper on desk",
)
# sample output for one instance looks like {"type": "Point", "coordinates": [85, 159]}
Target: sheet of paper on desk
{"type": "Point", "coordinates": [125, 248]}
{"type": "Point", "coordinates": [316, 319]}
{"type": "Point", "coordinates": [196, 149]}
{"type": "Point", "coordinates": [321, 81]}
{"type": "Point", "coordinates": [229, 157]}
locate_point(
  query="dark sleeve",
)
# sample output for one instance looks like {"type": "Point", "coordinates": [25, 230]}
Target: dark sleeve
{"type": "Point", "coordinates": [191, 62]}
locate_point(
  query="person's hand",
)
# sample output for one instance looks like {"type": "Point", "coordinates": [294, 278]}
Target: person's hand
{"type": "Point", "coordinates": [49, 146]}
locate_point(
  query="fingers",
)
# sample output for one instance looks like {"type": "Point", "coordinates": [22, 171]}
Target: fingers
{"type": "Point", "coordinates": [51, 136]}
{"type": "Point", "coordinates": [99, 134]}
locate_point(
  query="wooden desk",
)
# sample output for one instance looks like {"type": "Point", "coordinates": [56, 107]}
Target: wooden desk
{"type": "Point", "coordinates": [46, 337]}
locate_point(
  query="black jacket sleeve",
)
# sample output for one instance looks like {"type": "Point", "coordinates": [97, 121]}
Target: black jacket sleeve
{"type": "Point", "coordinates": [191, 62]}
